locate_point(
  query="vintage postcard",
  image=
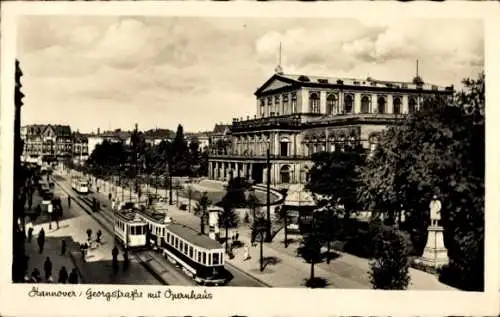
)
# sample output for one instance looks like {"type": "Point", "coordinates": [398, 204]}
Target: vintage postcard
{"type": "Point", "coordinates": [252, 159]}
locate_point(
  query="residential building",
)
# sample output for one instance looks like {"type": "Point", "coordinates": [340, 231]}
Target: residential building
{"type": "Point", "coordinates": [46, 142]}
{"type": "Point", "coordinates": [80, 148]}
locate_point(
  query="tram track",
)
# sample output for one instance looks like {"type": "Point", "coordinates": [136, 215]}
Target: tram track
{"type": "Point", "coordinates": [150, 260]}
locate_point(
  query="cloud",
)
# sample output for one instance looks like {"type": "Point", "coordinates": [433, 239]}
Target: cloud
{"type": "Point", "coordinates": [205, 70]}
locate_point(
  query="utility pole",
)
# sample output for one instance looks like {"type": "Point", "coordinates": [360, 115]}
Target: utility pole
{"type": "Point", "coordinates": [268, 201]}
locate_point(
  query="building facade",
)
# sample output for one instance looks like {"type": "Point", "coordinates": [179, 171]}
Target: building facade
{"type": "Point", "coordinates": [80, 148]}
{"type": "Point", "coordinates": [298, 115]}
{"type": "Point", "coordinates": [46, 142]}
{"type": "Point", "coordinates": [111, 136]}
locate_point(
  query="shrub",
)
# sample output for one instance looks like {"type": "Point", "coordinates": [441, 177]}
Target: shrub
{"type": "Point", "coordinates": [390, 265]}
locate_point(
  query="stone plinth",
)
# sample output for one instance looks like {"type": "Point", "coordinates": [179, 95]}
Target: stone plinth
{"type": "Point", "coordinates": [435, 253]}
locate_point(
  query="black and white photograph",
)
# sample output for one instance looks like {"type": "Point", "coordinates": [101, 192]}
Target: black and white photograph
{"type": "Point", "coordinates": [232, 153]}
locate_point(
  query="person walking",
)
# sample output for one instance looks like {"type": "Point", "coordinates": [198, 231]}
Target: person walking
{"type": "Point", "coordinates": [114, 262]}
{"type": "Point", "coordinates": [99, 235]}
{"type": "Point", "coordinates": [41, 240]}
{"type": "Point", "coordinates": [69, 201]}
{"type": "Point", "coordinates": [110, 196]}
{"type": "Point", "coordinates": [63, 275]}
{"type": "Point", "coordinates": [47, 267]}
{"type": "Point", "coordinates": [73, 276]}
{"type": "Point", "coordinates": [63, 247]}
{"type": "Point", "coordinates": [30, 231]}
{"type": "Point", "coordinates": [126, 260]}
{"type": "Point", "coordinates": [246, 254]}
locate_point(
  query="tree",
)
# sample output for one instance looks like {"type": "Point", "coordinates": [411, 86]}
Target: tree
{"type": "Point", "coordinates": [201, 210]}
{"type": "Point", "coordinates": [253, 204]}
{"type": "Point", "coordinates": [334, 177]}
{"type": "Point", "coordinates": [228, 217]}
{"type": "Point", "coordinates": [438, 150]}
{"type": "Point", "coordinates": [258, 229]}
{"type": "Point", "coordinates": [310, 249]}
{"type": "Point", "coordinates": [180, 152]}
{"type": "Point", "coordinates": [389, 269]}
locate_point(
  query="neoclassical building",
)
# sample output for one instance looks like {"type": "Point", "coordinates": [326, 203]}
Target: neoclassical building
{"type": "Point", "coordinates": [298, 115]}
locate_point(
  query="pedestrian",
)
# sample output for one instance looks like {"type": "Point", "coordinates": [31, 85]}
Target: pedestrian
{"type": "Point", "coordinates": [237, 236]}
{"type": "Point", "coordinates": [63, 275]}
{"type": "Point", "coordinates": [110, 196]}
{"type": "Point", "coordinates": [113, 204]}
{"type": "Point", "coordinates": [97, 188]}
{"type": "Point", "coordinates": [30, 231]}
{"type": "Point", "coordinates": [47, 267]}
{"type": "Point", "coordinates": [41, 240]}
{"type": "Point", "coordinates": [73, 276]}
{"type": "Point", "coordinates": [99, 234]}
{"type": "Point", "coordinates": [69, 201]}
{"type": "Point", "coordinates": [63, 247]}
{"type": "Point", "coordinates": [246, 254]}
{"type": "Point", "coordinates": [126, 261]}
{"type": "Point", "coordinates": [82, 250]}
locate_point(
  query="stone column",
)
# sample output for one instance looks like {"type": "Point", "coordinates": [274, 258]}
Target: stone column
{"type": "Point", "coordinates": [237, 167]}
{"type": "Point", "coordinates": [245, 170]}
{"type": "Point", "coordinates": [210, 171]}
{"type": "Point", "coordinates": [250, 168]}
{"type": "Point", "coordinates": [216, 171]}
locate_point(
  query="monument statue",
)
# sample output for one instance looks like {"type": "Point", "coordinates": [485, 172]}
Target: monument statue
{"type": "Point", "coordinates": [435, 209]}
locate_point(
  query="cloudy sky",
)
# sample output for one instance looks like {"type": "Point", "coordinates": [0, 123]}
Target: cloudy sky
{"type": "Point", "coordinates": [111, 72]}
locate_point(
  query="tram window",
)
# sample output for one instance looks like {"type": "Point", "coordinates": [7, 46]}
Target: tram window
{"type": "Point", "coordinates": [185, 248]}
{"type": "Point", "coordinates": [204, 258]}
{"type": "Point", "coordinates": [163, 232]}
{"type": "Point", "coordinates": [132, 230]}
{"type": "Point", "coordinates": [209, 259]}
{"type": "Point", "coordinates": [168, 237]}
{"type": "Point", "coordinates": [191, 252]}
{"type": "Point", "coordinates": [199, 256]}
{"type": "Point", "coordinates": [176, 243]}
{"type": "Point", "coordinates": [181, 245]}
{"type": "Point", "coordinates": [215, 259]}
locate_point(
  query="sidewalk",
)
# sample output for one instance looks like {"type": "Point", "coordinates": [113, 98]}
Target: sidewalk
{"type": "Point", "coordinates": [284, 268]}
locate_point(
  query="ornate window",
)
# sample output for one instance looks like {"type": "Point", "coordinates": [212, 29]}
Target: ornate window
{"type": "Point", "coordinates": [381, 105]}
{"type": "Point", "coordinates": [365, 104]}
{"type": "Point", "coordinates": [277, 105]}
{"type": "Point", "coordinates": [270, 106]}
{"type": "Point", "coordinates": [412, 105]}
{"type": "Point", "coordinates": [314, 103]}
{"type": "Point", "coordinates": [331, 104]}
{"type": "Point", "coordinates": [396, 105]}
{"type": "Point", "coordinates": [294, 103]}
{"type": "Point", "coordinates": [285, 104]}
{"type": "Point", "coordinates": [348, 103]}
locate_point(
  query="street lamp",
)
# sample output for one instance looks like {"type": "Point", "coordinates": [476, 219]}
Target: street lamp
{"type": "Point", "coordinates": [268, 193]}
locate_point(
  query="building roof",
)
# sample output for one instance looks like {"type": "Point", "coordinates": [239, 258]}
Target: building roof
{"type": "Point", "coordinates": [159, 134]}
{"type": "Point", "coordinates": [298, 196]}
{"type": "Point", "coordinates": [221, 128]}
{"type": "Point", "coordinates": [38, 129]}
{"type": "Point", "coordinates": [314, 80]}
{"type": "Point", "coordinates": [193, 236]}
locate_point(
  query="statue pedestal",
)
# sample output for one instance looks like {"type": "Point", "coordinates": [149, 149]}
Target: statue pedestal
{"type": "Point", "coordinates": [435, 253]}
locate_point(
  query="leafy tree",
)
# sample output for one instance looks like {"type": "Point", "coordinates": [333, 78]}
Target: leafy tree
{"type": "Point", "coordinates": [389, 268]}
{"type": "Point", "coordinates": [235, 191]}
{"type": "Point", "coordinates": [228, 217]}
{"type": "Point", "coordinates": [334, 177]}
{"type": "Point", "coordinates": [180, 152]}
{"type": "Point", "coordinates": [258, 230]}
{"type": "Point", "coordinates": [438, 150]}
{"type": "Point", "coordinates": [253, 204]}
{"type": "Point", "coordinates": [310, 248]}
{"type": "Point", "coordinates": [201, 210]}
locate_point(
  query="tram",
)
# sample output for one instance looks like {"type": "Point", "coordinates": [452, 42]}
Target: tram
{"type": "Point", "coordinates": [199, 256]}
{"type": "Point", "coordinates": [80, 186]}
{"type": "Point", "coordinates": [130, 229]}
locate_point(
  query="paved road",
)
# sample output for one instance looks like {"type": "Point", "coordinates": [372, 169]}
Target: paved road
{"type": "Point", "coordinates": [239, 278]}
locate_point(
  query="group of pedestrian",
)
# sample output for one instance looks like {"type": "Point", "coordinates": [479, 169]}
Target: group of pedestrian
{"type": "Point", "coordinates": [114, 263]}
{"type": "Point", "coordinates": [63, 277]}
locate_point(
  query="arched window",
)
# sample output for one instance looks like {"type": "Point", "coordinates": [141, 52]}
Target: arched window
{"type": "Point", "coordinates": [262, 108]}
{"type": "Point", "coordinates": [381, 105]}
{"type": "Point", "coordinates": [285, 104]}
{"type": "Point", "coordinates": [314, 103]}
{"type": "Point", "coordinates": [285, 174]}
{"type": "Point", "coordinates": [348, 101]}
{"type": "Point", "coordinates": [396, 105]}
{"type": "Point", "coordinates": [365, 104]}
{"type": "Point", "coordinates": [294, 103]}
{"type": "Point", "coordinates": [277, 105]}
{"type": "Point", "coordinates": [412, 105]}
{"type": "Point", "coordinates": [331, 106]}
